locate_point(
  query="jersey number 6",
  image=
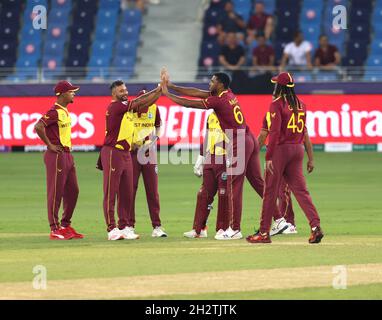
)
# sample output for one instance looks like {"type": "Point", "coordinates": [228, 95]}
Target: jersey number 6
{"type": "Point", "coordinates": [238, 115]}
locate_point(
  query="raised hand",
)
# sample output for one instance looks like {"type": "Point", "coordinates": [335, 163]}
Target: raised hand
{"type": "Point", "coordinates": [164, 76]}
{"type": "Point", "coordinates": [164, 88]}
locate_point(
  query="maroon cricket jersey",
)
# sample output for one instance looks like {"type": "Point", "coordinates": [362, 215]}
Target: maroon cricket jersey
{"type": "Point", "coordinates": [114, 115]}
{"type": "Point", "coordinates": [57, 124]}
{"type": "Point", "coordinates": [285, 126]}
{"type": "Point", "coordinates": [227, 109]}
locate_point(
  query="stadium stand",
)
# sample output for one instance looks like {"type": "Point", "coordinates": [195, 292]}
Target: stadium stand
{"type": "Point", "coordinates": [79, 43]}
{"type": "Point", "coordinates": [359, 45]}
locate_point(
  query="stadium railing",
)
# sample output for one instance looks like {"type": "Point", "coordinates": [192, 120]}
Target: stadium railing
{"type": "Point", "coordinates": [203, 74]}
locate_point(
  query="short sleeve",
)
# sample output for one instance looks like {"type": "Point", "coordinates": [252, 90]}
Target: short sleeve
{"type": "Point", "coordinates": [307, 47]}
{"type": "Point", "coordinates": [49, 118]}
{"type": "Point", "coordinates": [288, 48]}
{"type": "Point", "coordinates": [122, 107]}
{"type": "Point", "coordinates": [212, 102]}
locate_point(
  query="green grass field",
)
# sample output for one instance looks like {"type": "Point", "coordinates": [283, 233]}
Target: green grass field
{"type": "Point", "coordinates": [346, 189]}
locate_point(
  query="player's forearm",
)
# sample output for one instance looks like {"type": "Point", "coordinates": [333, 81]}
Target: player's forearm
{"type": "Point", "coordinates": [146, 99]}
{"type": "Point", "coordinates": [197, 104]}
{"type": "Point", "coordinates": [308, 147]}
{"type": "Point", "coordinates": [192, 92]}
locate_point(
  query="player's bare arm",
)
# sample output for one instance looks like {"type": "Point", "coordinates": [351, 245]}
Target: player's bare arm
{"type": "Point", "coordinates": [309, 150]}
{"type": "Point", "coordinates": [192, 92]}
{"type": "Point", "coordinates": [188, 103]}
{"type": "Point", "coordinates": [40, 130]}
{"type": "Point", "coordinates": [146, 99]}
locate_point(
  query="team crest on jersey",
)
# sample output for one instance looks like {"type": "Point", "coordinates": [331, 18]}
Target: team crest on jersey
{"type": "Point", "coordinates": [150, 115]}
{"type": "Point", "coordinates": [224, 176]}
{"type": "Point", "coordinates": [222, 191]}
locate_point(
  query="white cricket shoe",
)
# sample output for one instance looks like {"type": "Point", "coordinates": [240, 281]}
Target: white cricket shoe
{"type": "Point", "coordinates": [129, 233]}
{"type": "Point", "coordinates": [291, 229]}
{"type": "Point", "coordinates": [236, 235]}
{"type": "Point", "coordinates": [114, 234]}
{"type": "Point", "coordinates": [219, 233]}
{"type": "Point", "coordinates": [229, 234]}
{"type": "Point", "coordinates": [193, 234]}
{"type": "Point", "coordinates": [278, 227]}
{"type": "Point", "coordinates": [158, 233]}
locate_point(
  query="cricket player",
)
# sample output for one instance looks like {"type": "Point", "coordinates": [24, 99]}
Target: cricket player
{"type": "Point", "coordinates": [147, 123]}
{"type": "Point", "coordinates": [54, 129]}
{"type": "Point", "coordinates": [284, 158]}
{"type": "Point", "coordinates": [211, 165]}
{"type": "Point", "coordinates": [215, 140]}
{"type": "Point", "coordinates": [242, 143]}
{"type": "Point", "coordinates": [115, 158]}
{"type": "Point", "coordinates": [284, 198]}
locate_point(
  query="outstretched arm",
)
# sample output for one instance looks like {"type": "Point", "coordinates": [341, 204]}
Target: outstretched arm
{"type": "Point", "coordinates": [146, 99]}
{"type": "Point", "coordinates": [186, 91]}
{"type": "Point", "coordinates": [188, 103]}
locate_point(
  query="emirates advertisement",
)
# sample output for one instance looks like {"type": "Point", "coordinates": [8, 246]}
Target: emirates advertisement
{"type": "Point", "coordinates": [330, 118]}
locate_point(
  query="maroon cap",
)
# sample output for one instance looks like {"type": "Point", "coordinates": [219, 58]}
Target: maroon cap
{"type": "Point", "coordinates": [64, 86]}
{"type": "Point", "coordinates": [284, 79]}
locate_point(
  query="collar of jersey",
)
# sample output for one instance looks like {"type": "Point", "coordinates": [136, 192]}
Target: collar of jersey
{"type": "Point", "coordinates": [60, 106]}
{"type": "Point", "coordinates": [225, 91]}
